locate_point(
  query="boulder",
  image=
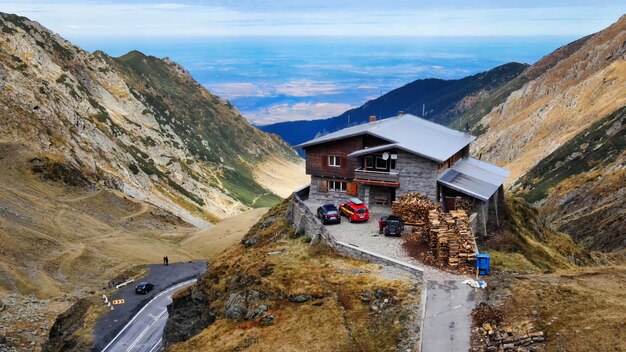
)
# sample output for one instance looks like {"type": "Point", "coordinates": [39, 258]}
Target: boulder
{"type": "Point", "coordinates": [256, 312]}
{"type": "Point", "coordinates": [235, 307]}
{"type": "Point", "coordinates": [267, 320]}
{"type": "Point", "coordinates": [299, 298]}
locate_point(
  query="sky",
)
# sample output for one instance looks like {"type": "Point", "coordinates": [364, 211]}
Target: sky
{"type": "Point", "coordinates": [143, 18]}
{"type": "Point", "coordinates": [279, 60]}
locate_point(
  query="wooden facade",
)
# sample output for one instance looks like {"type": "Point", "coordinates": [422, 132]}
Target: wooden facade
{"type": "Point", "coordinates": [317, 156]}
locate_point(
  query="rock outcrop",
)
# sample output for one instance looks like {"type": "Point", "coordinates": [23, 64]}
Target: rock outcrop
{"type": "Point", "coordinates": [546, 133]}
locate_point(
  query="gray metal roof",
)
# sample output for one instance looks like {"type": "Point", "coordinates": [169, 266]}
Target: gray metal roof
{"type": "Point", "coordinates": [474, 177]}
{"type": "Point", "coordinates": [409, 133]}
{"type": "Point", "coordinates": [373, 149]}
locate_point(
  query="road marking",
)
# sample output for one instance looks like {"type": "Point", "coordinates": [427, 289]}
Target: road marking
{"type": "Point", "coordinates": [158, 317]}
{"type": "Point", "coordinates": [157, 345]}
{"type": "Point", "coordinates": [144, 307]}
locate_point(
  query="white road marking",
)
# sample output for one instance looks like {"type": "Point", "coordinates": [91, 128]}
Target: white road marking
{"type": "Point", "coordinates": [158, 344]}
{"type": "Point", "coordinates": [144, 307]}
{"type": "Point", "coordinates": [132, 345]}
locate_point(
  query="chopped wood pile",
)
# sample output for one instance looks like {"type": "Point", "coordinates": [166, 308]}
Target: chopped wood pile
{"type": "Point", "coordinates": [450, 238]}
{"type": "Point", "coordinates": [498, 339]}
{"type": "Point", "coordinates": [448, 235]}
{"type": "Point", "coordinates": [413, 208]}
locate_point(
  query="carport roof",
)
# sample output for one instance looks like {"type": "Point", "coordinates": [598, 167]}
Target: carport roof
{"type": "Point", "coordinates": [474, 177]}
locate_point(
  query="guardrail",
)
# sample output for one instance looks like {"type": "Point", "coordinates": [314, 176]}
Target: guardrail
{"type": "Point", "coordinates": [309, 225]}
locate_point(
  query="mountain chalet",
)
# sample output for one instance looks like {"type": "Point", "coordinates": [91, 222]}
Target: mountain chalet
{"type": "Point", "coordinates": [381, 160]}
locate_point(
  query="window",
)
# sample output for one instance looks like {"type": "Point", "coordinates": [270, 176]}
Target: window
{"type": "Point", "coordinates": [334, 161]}
{"type": "Point", "coordinates": [381, 164]}
{"type": "Point", "coordinates": [337, 186]}
{"type": "Point", "coordinates": [369, 162]}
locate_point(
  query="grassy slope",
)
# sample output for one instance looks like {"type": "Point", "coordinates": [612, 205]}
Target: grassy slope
{"type": "Point", "coordinates": [210, 130]}
{"type": "Point", "coordinates": [579, 309]}
{"type": "Point", "coordinates": [336, 319]}
{"type": "Point", "coordinates": [499, 95]}
{"type": "Point", "coordinates": [527, 244]}
{"type": "Point", "coordinates": [578, 184]}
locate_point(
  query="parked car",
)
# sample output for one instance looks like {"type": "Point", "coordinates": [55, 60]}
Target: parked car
{"type": "Point", "coordinates": [328, 213]}
{"type": "Point", "coordinates": [355, 210]}
{"type": "Point", "coordinates": [143, 288]}
{"type": "Point", "coordinates": [391, 225]}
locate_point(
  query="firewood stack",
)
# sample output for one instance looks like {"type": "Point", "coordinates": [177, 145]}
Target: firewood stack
{"type": "Point", "coordinates": [413, 208]}
{"type": "Point", "coordinates": [448, 235]}
{"type": "Point", "coordinates": [450, 238]}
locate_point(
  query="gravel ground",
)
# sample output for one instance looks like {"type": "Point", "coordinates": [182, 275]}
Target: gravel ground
{"type": "Point", "coordinates": [365, 235]}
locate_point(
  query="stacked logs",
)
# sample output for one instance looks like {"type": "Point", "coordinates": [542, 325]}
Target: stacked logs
{"type": "Point", "coordinates": [448, 235]}
{"type": "Point", "coordinates": [450, 238]}
{"type": "Point", "coordinates": [413, 208]}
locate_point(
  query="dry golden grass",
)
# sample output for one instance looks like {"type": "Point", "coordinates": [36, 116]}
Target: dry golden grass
{"type": "Point", "coordinates": [280, 176]}
{"type": "Point", "coordinates": [206, 243]}
{"type": "Point", "coordinates": [581, 309]}
{"type": "Point", "coordinates": [335, 319]}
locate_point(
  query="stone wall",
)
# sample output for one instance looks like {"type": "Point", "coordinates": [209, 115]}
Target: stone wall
{"type": "Point", "coordinates": [332, 197]}
{"type": "Point", "coordinates": [417, 174]}
{"type": "Point", "coordinates": [307, 224]}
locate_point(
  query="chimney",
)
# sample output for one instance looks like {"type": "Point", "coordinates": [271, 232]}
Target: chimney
{"type": "Point", "coordinates": [372, 118]}
{"type": "Point", "coordinates": [400, 113]}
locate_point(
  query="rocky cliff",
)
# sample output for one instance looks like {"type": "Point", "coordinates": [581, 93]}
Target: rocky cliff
{"type": "Point", "coordinates": [561, 134]}
{"type": "Point", "coordinates": [137, 124]}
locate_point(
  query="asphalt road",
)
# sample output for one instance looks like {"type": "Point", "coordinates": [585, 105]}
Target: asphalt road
{"type": "Point", "coordinates": [447, 319]}
{"type": "Point", "coordinates": [164, 278]}
{"type": "Point", "coordinates": [144, 332]}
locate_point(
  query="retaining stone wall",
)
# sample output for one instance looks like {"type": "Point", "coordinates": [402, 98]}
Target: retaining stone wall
{"type": "Point", "coordinates": [307, 224]}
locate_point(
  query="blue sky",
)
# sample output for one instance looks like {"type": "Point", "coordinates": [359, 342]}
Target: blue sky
{"type": "Point", "coordinates": [304, 59]}
{"type": "Point", "coordinates": [142, 18]}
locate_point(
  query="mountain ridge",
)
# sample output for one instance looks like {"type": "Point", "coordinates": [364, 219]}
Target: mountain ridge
{"type": "Point", "coordinates": [445, 101]}
{"type": "Point", "coordinates": [136, 123]}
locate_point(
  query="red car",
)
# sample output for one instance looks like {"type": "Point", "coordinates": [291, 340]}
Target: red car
{"type": "Point", "coordinates": [355, 210]}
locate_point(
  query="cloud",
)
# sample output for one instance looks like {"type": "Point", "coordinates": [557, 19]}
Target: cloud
{"type": "Point", "coordinates": [295, 112]}
{"type": "Point", "coordinates": [311, 18]}
{"type": "Point", "coordinates": [307, 88]}
{"type": "Point", "coordinates": [295, 88]}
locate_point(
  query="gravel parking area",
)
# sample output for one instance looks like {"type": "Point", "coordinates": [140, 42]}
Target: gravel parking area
{"type": "Point", "coordinates": [365, 235]}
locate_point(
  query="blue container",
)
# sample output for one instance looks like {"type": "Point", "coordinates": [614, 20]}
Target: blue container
{"type": "Point", "coordinates": [482, 263]}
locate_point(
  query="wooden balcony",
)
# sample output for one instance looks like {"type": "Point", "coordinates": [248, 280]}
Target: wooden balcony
{"type": "Point", "coordinates": [378, 178]}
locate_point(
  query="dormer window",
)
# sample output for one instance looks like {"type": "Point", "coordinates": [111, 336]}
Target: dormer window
{"type": "Point", "coordinates": [334, 161]}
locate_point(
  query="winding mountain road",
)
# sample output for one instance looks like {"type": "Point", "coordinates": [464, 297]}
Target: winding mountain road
{"type": "Point", "coordinates": [137, 324]}
{"type": "Point", "coordinates": [144, 331]}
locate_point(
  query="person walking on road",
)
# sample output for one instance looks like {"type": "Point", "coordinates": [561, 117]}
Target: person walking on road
{"type": "Point", "coordinates": [164, 261]}
{"type": "Point", "coordinates": [167, 261]}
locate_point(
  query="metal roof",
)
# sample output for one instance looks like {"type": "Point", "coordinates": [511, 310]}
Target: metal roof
{"type": "Point", "coordinates": [474, 177]}
{"type": "Point", "coordinates": [373, 149]}
{"type": "Point", "coordinates": [409, 133]}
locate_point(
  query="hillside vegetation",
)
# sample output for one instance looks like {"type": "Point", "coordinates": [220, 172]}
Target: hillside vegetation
{"type": "Point", "coordinates": [561, 134]}
{"type": "Point", "coordinates": [580, 186]}
{"type": "Point", "coordinates": [526, 243]}
{"type": "Point", "coordinates": [277, 292]}
{"type": "Point", "coordinates": [135, 124]}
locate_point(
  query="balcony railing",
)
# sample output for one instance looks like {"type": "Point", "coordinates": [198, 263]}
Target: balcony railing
{"type": "Point", "coordinates": [377, 176]}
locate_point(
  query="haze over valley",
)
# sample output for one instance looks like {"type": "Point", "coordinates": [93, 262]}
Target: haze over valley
{"type": "Point", "coordinates": [312, 176]}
